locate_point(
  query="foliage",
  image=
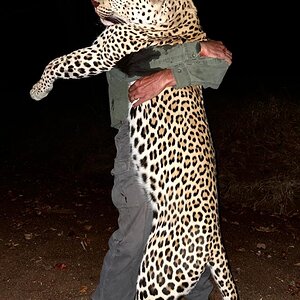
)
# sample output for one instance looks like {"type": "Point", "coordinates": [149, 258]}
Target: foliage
{"type": "Point", "coordinates": [258, 152]}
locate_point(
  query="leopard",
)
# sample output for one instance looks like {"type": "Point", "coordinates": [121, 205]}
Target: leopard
{"type": "Point", "coordinates": [171, 144]}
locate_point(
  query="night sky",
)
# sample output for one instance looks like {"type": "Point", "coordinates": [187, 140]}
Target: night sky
{"type": "Point", "coordinates": [262, 39]}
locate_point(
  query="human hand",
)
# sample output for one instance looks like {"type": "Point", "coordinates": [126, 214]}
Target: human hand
{"type": "Point", "coordinates": [215, 49]}
{"type": "Point", "coordinates": [147, 87]}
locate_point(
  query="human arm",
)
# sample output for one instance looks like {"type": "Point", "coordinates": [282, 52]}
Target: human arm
{"type": "Point", "coordinates": [205, 63]}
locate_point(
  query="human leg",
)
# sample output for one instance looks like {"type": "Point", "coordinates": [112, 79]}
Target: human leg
{"type": "Point", "coordinates": [202, 289]}
{"type": "Point", "coordinates": [121, 263]}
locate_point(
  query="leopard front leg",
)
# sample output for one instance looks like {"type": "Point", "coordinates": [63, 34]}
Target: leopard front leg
{"type": "Point", "coordinates": [112, 45]}
{"type": "Point", "coordinates": [78, 64]}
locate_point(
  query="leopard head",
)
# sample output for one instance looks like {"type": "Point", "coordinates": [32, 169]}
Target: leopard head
{"type": "Point", "coordinates": [146, 12]}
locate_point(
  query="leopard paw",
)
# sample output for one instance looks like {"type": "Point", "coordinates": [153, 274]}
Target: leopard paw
{"type": "Point", "coordinates": [38, 92]}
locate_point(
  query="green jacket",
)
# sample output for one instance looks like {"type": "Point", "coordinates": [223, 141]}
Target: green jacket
{"type": "Point", "coordinates": [188, 69]}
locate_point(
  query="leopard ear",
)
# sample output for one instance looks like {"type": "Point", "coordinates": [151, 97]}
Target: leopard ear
{"type": "Point", "coordinates": [158, 3]}
{"type": "Point", "coordinates": [161, 2]}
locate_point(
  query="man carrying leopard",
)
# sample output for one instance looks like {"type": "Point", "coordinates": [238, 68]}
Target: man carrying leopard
{"type": "Point", "coordinates": [119, 272]}
{"type": "Point", "coordinates": [160, 263]}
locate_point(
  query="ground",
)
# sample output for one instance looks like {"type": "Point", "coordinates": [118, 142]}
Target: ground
{"type": "Point", "coordinates": [56, 217]}
{"type": "Point", "coordinates": [54, 235]}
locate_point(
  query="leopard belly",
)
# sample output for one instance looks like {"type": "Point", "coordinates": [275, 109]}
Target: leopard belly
{"type": "Point", "coordinates": [174, 157]}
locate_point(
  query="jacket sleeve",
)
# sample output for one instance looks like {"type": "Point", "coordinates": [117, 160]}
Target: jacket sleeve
{"type": "Point", "coordinates": [188, 67]}
{"type": "Point", "coordinates": [118, 96]}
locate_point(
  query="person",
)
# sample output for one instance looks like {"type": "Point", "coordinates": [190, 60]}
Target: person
{"type": "Point", "coordinates": [151, 70]}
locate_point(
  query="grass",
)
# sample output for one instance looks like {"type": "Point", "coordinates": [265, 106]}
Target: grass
{"type": "Point", "coordinates": [257, 142]}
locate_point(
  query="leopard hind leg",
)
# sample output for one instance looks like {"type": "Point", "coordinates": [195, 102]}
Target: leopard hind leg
{"type": "Point", "coordinates": [222, 275]}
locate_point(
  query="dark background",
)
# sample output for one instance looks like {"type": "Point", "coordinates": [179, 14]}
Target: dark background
{"type": "Point", "coordinates": [262, 36]}
{"type": "Point", "coordinates": [56, 154]}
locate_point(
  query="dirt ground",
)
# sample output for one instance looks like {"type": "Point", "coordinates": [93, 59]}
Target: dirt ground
{"type": "Point", "coordinates": [56, 217]}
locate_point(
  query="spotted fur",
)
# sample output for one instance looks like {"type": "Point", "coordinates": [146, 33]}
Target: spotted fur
{"type": "Point", "coordinates": [171, 144]}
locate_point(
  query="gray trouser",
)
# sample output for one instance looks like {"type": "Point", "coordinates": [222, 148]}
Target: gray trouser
{"type": "Point", "coordinates": [121, 263]}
